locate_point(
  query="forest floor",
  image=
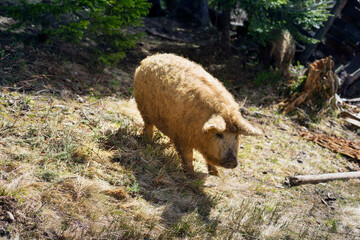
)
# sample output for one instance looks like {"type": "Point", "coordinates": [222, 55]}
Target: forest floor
{"type": "Point", "coordinates": [73, 164]}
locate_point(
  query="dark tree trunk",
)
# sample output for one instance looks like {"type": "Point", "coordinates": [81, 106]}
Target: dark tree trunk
{"type": "Point", "coordinates": [225, 30]}
{"type": "Point", "coordinates": [155, 9]}
{"type": "Point", "coordinates": [320, 34]}
{"type": "Point", "coordinates": [190, 10]}
{"type": "Point", "coordinates": [203, 13]}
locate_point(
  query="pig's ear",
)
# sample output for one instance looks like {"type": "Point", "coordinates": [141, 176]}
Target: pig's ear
{"type": "Point", "coordinates": [242, 126]}
{"type": "Point", "coordinates": [215, 122]}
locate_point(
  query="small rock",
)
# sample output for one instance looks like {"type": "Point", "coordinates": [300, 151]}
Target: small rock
{"type": "Point", "coordinates": [107, 71]}
{"type": "Point", "coordinates": [10, 102]}
{"type": "Point", "coordinates": [65, 93]}
{"type": "Point", "coordinates": [63, 107]}
{"type": "Point", "coordinates": [210, 185]}
{"type": "Point", "coordinates": [10, 216]}
{"type": "Point", "coordinates": [283, 127]}
{"type": "Point", "coordinates": [80, 99]}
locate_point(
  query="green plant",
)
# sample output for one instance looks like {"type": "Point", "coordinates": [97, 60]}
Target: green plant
{"type": "Point", "coordinates": [133, 187]}
{"type": "Point", "coordinates": [266, 77]}
{"type": "Point", "coordinates": [297, 84]}
{"type": "Point", "coordinates": [4, 192]}
{"type": "Point", "coordinates": [102, 23]}
{"type": "Point", "coordinates": [2, 53]}
{"type": "Point", "coordinates": [48, 175]}
{"type": "Point", "coordinates": [332, 225]}
{"type": "Point", "coordinates": [266, 16]}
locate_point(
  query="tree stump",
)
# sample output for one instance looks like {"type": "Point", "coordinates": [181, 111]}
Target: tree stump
{"type": "Point", "coordinates": [321, 83]}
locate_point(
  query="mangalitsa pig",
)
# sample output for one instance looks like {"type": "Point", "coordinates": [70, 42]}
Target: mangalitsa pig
{"type": "Point", "coordinates": [192, 108]}
{"type": "Point", "coordinates": [279, 51]}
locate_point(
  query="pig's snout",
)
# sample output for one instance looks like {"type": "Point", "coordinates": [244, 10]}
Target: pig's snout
{"type": "Point", "coordinates": [230, 160]}
{"type": "Point", "coordinates": [231, 165]}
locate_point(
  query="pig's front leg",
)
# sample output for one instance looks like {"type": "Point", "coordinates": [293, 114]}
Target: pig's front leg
{"type": "Point", "coordinates": [212, 169]}
{"type": "Point", "coordinates": [187, 159]}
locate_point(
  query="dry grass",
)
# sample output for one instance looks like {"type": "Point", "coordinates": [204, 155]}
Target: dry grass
{"type": "Point", "coordinates": [81, 170]}
{"type": "Point", "coordinates": [76, 167]}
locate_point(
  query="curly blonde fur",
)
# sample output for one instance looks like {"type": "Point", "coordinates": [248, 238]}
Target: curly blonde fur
{"type": "Point", "coordinates": [283, 50]}
{"type": "Point", "coordinates": [179, 97]}
{"type": "Point", "coordinates": [280, 51]}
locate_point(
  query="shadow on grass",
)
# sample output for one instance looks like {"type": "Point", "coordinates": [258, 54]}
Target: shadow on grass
{"type": "Point", "coordinates": [159, 179]}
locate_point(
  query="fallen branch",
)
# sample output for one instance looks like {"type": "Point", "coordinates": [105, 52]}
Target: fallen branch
{"type": "Point", "coordinates": [353, 122]}
{"type": "Point", "coordinates": [351, 113]}
{"type": "Point", "coordinates": [164, 36]}
{"type": "Point", "coordinates": [311, 179]}
{"type": "Point", "coordinates": [351, 99]}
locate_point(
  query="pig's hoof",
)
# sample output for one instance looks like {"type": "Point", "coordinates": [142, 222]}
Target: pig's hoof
{"type": "Point", "coordinates": [214, 173]}
{"type": "Point", "coordinates": [212, 170]}
{"type": "Point", "coordinates": [189, 172]}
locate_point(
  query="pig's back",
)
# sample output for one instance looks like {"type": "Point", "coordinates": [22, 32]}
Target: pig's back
{"type": "Point", "coordinates": [177, 95]}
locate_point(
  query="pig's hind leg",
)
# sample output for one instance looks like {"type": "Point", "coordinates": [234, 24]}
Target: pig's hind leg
{"type": "Point", "coordinates": [148, 131]}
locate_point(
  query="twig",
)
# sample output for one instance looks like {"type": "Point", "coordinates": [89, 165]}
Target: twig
{"type": "Point", "coordinates": [6, 128]}
{"type": "Point", "coordinates": [351, 99]}
{"type": "Point", "coordinates": [4, 57]}
{"type": "Point", "coordinates": [97, 154]}
{"type": "Point", "coordinates": [312, 179]}
{"type": "Point", "coordinates": [89, 120]}
{"type": "Point", "coordinates": [164, 36]}
{"type": "Point", "coordinates": [13, 88]}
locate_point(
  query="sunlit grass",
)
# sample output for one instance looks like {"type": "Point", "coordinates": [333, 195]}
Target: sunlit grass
{"type": "Point", "coordinates": [86, 172]}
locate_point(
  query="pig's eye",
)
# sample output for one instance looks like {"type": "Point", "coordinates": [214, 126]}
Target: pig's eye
{"type": "Point", "coordinates": [219, 135]}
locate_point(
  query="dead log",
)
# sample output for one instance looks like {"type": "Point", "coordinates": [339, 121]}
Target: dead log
{"type": "Point", "coordinates": [353, 122]}
{"type": "Point", "coordinates": [312, 179]}
{"type": "Point", "coordinates": [351, 100]}
{"type": "Point", "coordinates": [321, 83]}
{"type": "Point", "coordinates": [351, 113]}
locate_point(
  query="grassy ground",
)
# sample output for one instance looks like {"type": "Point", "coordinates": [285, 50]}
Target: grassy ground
{"type": "Point", "coordinates": [74, 166]}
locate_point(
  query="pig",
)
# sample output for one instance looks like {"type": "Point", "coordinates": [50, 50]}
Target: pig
{"type": "Point", "coordinates": [280, 51]}
{"type": "Point", "coordinates": [192, 108]}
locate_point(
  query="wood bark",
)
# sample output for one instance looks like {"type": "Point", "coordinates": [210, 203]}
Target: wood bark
{"type": "Point", "coordinates": [155, 9]}
{"type": "Point", "coordinates": [312, 179]}
{"type": "Point", "coordinates": [203, 12]}
{"type": "Point", "coordinates": [225, 31]}
{"type": "Point", "coordinates": [353, 122]}
{"type": "Point", "coordinates": [320, 34]}
{"type": "Point", "coordinates": [189, 10]}
{"type": "Point", "coordinates": [321, 82]}
{"type": "Point", "coordinates": [334, 143]}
